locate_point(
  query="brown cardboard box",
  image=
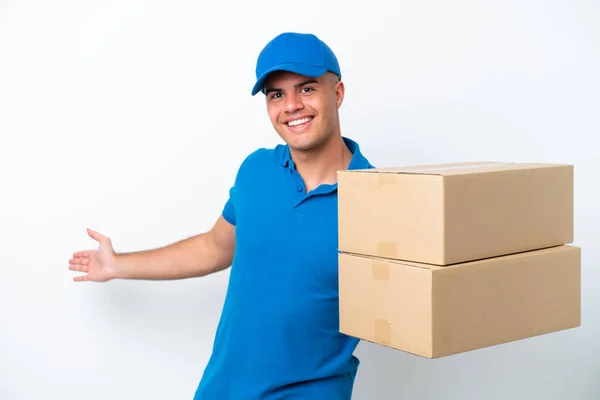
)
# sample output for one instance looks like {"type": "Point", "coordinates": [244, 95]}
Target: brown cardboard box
{"type": "Point", "coordinates": [435, 311]}
{"type": "Point", "coordinates": [452, 213]}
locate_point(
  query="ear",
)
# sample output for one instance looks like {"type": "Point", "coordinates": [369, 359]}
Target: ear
{"type": "Point", "coordinates": [339, 93]}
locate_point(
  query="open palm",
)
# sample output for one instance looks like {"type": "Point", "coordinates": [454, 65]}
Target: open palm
{"type": "Point", "coordinates": [99, 264]}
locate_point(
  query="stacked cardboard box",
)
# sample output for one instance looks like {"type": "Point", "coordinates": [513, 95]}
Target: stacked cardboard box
{"type": "Point", "coordinates": [441, 259]}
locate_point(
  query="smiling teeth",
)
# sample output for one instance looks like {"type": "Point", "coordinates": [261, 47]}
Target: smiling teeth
{"type": "Point", "coordinates": [299, 121]}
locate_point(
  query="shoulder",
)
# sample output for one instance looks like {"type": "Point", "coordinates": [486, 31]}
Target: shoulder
{"type": "Point", "coordinates": [261, 159]}
{"type": "Point", "coordinates": [263, 155]}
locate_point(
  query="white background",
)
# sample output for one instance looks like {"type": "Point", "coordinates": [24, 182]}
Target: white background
{"type": "Point", "coordinates": [131, 117]}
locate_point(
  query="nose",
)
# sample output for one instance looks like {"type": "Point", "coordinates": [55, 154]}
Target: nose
{"type": "Point", "coordinates": [293, 103]}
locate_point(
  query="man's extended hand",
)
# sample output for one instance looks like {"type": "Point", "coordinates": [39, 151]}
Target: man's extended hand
{"type": "Point", "coordinates": [99, 264]}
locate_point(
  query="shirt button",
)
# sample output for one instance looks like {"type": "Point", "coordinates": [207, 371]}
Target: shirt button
{"type": "Point", "coordinates": [299, 188]}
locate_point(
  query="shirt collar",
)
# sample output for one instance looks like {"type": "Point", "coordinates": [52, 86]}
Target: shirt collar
{"type": "Point", "coordinates": [358, 161]}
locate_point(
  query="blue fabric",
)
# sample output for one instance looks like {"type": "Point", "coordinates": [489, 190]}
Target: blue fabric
{"type": "Point", "coordinates": [302, 53]}
{"type": "Point", "coordinates": [278, 336]}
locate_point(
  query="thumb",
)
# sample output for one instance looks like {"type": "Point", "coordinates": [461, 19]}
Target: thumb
{"type": "Point", "coordinates": [96, 236]}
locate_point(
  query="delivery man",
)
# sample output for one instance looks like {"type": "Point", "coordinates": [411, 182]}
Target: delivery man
{"type": "Point", "coordinates": [278, 336]}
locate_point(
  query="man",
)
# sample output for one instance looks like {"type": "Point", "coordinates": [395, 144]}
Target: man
{"type": "Point", "coordinates": [278, 336]}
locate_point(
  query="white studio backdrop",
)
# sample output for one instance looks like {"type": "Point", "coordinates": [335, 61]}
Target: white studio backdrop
{"type": "Point", "coordinates": [131, 117]}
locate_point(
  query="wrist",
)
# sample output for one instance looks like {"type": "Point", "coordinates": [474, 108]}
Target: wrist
{"type": "Point", "coordinates": [115, 269]}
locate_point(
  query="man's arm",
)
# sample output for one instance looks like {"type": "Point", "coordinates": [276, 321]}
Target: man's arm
{"type": "Point", "coordinates": [196, 256]}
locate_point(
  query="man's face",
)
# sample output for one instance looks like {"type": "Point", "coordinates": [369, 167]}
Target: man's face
{"type": "Point", "coordinates": [304, 110]}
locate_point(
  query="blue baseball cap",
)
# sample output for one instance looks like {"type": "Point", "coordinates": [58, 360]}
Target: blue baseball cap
{"type": "Point", "coordinates": [301, 53]}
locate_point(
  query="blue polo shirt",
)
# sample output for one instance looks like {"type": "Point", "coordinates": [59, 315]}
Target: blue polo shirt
{"type": "Point", "coordinates": [278, 336]}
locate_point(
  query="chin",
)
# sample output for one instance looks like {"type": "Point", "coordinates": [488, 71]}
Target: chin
{"type": "Point", "coordinates": [302, 141]}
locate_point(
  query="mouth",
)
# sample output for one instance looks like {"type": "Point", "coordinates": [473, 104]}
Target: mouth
{"type": "Point", "coordinates": [299, 124]}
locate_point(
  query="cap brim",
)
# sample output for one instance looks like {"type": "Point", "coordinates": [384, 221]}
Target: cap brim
{"type": "Point", "coordinates": [302, 69]}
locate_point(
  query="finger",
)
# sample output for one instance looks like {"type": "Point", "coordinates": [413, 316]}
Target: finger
{"type": "Point", "coordinates": [81, 278]}
{"type": "Point", "coordinates": [84, 253]}
{"type": "Point", "coordinates": [80, 261]}
{"type": "Point", "coordinates": [79, 267]}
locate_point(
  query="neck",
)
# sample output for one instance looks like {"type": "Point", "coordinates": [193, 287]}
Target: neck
{"type": "Point", "coordinates": [320, 165]}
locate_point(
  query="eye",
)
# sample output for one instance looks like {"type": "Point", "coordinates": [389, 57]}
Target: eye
{"type": "Point", "coordinates": [275, 95]}
{"type": "Point", "coordinates": [308, 89]}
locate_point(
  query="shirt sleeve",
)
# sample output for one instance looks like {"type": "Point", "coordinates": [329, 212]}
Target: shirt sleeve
{"type": "Point", "coordinates": [246, 171]}
{"type": "Point", "coordinates": [229, 208]}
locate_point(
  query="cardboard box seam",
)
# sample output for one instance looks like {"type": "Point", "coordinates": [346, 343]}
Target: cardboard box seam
{"type": "Point", "coordinates": [438, 267]}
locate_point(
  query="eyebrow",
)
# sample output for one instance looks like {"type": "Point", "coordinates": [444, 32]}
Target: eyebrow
{"type": "Point", "coordinates": [309, 81]}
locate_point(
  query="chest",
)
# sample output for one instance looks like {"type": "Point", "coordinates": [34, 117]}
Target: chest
{"type": "Point", "coordinates": [288, 235]}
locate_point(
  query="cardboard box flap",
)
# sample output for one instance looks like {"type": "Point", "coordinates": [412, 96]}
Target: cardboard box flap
{"type": "Point", "coordinates": [457, 168]}
{"type": "Point", "coordinates": [379, 263]}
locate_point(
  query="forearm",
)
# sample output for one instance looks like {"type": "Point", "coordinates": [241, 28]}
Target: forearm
{"type": "Point", "coordinates": [192, 257]}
